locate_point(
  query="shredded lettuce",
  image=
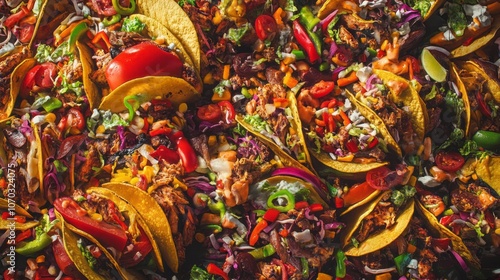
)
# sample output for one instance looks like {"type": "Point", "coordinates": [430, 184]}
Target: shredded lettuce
{"type": "Point", "coordinates": [133, 25]}
{"type": "Point", "coordinates": [290, 6]}
{"type": "Point", "coordinates": [457, 21]}
{"type": "Point", "coordinates": [43, 53]}
{"type": "Point", "coordinates": [86, 253]}
{"type": "Point", "coordinates": [111, 120]}
{"type": "Point", "coordinates": [198, 273]}
{"type": "Point", "coordinates": [236, 34]}
{"type": "Point", "coordinates": [423, 6]}
{"type": "Point", "coordinates": [183, 2]}
{"type": "Point", "coordinates": [399, 197]}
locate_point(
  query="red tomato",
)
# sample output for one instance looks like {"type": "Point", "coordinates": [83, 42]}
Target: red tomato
{"type": "Point", "coordinates": [210, 113]}
{"type": "Point", "coordinates": [357, 193]}
{"type": "Point", "coordinates": [105, 7]}
{"type": "Point", "coordinates": [187, 154]}
{"type": "Point", "coordinates": [26, 32]}
{"type": "Point", "coordinates": [29, 81]}
{"type": "Point", "coordinates": [321, 89]}
{"type": "Point", "coordinates": [227, 110]}
{"type": "Point", "coordinates": [109, 235]}
{"type": "Point", "coordinates": [65, 264]}
{"type": "Point", "coordinates": [141, 60]}
{"type": "Point", "coordinates": [46, 75]}
{"type": "Point", "coordinates": [266, 27]}
{"type": "Point", "coordinates": [383, 178]}
{"type": "Point", "coordinates": [75, 119]}
{"type": "Point", "coordinates": [449, 161]}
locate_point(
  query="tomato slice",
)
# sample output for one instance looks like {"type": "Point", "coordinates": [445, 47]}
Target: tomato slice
{"type": "Point", "coordinates": [227, 110]}
{"type": "Point", "coordinates": [357, 193]}
{"type": "Point", "coordinates": [29, 81]}
{"type": "Point", "coordinates": [46, 75]}
{"type": "Point", "coordinates": [26, 32]}
{"type": "Point", "coordinates": [75, 119]}
{"type": "Point", "coordinates": [210, 113]}
{"type": "Point", "coordinates": [321, 89]}
{"type": "Point", "coordinates": [382, 178]}
{"type": "Point", "coordinates": [449, 161]}
{"type": "Point", "coordinates": [266, 27]}
{"type": "Point", "coordinates": [108, 234]}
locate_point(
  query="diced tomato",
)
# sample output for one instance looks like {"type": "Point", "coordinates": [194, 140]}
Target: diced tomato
{"type": "Point", "coordinates": [322, 89]}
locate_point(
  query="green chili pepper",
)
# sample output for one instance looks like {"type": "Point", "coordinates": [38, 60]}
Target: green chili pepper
{"type": "Point", "coordinates": [287, 195]}
{"type": "Point", "coordinates": [402, 262]}
{"type": "Point", "coordinates": [42, 239]}
{"type": "Point", "coordinates": [213, 228]}
{"type": "Point", "coordinates": [324, 66]}
{"type": "Point", "coordinates": [76, 33]}
{"type": "Point", "coordinates": [107, 21]}
{"type": "Point", "coordinates": [305, 267]}
{"type": "Point", "coordinates": [137, 99]}
{"type": "Point", "coordinates": [299, 55]}
{"type": "Point", "coordinates": [317, 41]}
{"type": "Point", "coordinates": [263, 252]}
{"type": "Point", "coordinates": [340, 270]}
{"type": "Point", "coordinates": [52, 104]}
{"type": "Point", "coordinates": [122, 10]}
{"type": "Point", "coordinates": [217, 207]}
{"type": "Point", "coordinates": [307, 18]}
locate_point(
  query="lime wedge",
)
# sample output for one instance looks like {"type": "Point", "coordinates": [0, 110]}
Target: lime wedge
{"type": "Point", "coordinates": [433, 68]}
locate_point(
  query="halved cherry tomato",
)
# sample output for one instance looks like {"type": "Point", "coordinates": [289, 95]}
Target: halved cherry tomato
{"type": "Point", "coordinates": [210, 113]}
{"type": "Point", "coordinates": [382, 178]}
{"type": "Point", "coordinates": [29, 81]}
{"type": "Point", "coordinates": [187, 154]}
{"type": "Point", "coordinates": [147, 60]}
{"type": "Point", "coordinates": [46, 75]}
{"type": "Point", "coordinates": [322, 88]}
{"type": "Point", "coordinates": [75, 119]}
{"type": "Point", "coordinates": [266, 27]}
{"type": "Point", "coordinates": [227, 110]}
{"type": "Point", "coordinates": [26, 32]}
{"type": "Point", "coordinates": [449, 161]}
{"type": "Point", "coordinates": [357, 193]}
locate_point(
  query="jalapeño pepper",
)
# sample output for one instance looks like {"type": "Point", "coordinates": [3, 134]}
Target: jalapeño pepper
{"type": "Point", "coordinates": [122, 10]}
{"type": "Point", "coordinates": [76, 33]}
{"type": "Point", "coordinates": [107, 21]}
{"type": "Point", "coordinates": [282, 194]}
{"type": "Point", "coordinates": [307, 18]}
{"type": "Point", "coordinates": [42, 238]}
{"type": "Point", "coordinates": [263, 252]}
{"type": "Point", "coordinates": [302, 37]}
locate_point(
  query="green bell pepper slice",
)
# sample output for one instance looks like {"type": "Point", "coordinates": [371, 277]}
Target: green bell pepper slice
{"type": "Point", "coordinates": [122, 10]}
{"type": "Point", "coordinates": [107, 21]}
{"type": "Point", "coordinates": [76, 33]}
{"type": "Point", "coordinates": [263, 252]}
{"type": "Point", "coordinates": [42, 238]}
{"type": "Point", "coordinates": [284, 194]}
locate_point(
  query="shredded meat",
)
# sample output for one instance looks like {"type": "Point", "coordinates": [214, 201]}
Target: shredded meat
{"type": "Point", "coordinates": [10, 62]}
{"type": "Point", "coordinates": [383, 216]}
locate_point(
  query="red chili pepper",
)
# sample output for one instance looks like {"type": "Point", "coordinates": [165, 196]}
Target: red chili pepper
{"type": "Point", "coordinates": [339, 202]}
{"type": "Point", "coordinates": [483, 107]}
{"type": "Point", "coordinates": [316, 207]}
{"type": "Point", "coordinates": [254, 237]}
{"type": "Point", "coordinates": [352, 146]}
{"type": "Point", "coordinates": [331, 123]}
{"type": "Point", "coordinates": [373, 143]}
{"type": "Point", "coordinates": [468, 41]}
{"type": "Point", "coordinates": [174, 136]}
{"type": "Point", "coordinates": [100, 38]}
{"type": "Point", "coordinates": [320, 131]}
{"type": "Point", "coordinates": [23, 235]}
{"type": "Point", "coordinates": [215, 270]}
{"type": "Point", "coordinates": [271, 215]}
{"type": "Point", "coordinates": [62, 123]}
{"type": "Point", "coordinates": [380, 53]}
{"type": "Point", "coordinates": [160, 131]}
{"type": "Point", "coordinates": [15, 18]}
{"type": "Point", "coordinates": [112, 211]}
{"type": "Point", "coordinates": [325, 103]}
{"type": "Point", "coordinates": [187, 154]}
{"type": "Point", "coordinates": [305, 42]}
{"type": "Point", "coordinates": [301, 205]}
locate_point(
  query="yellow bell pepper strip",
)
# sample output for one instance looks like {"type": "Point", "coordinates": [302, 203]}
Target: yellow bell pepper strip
{"type": "Point", "coordinates": [254, 236]}
{"type": "Point", "coordinates": [42, 238]}
{"type": "Point", "coordinates": [215, 270]}
{"type": "Point", "coordinates": [77, 32]}
{"type": "Point", "coordinates": [122, 10]}
{"type": "Point", "coordinates": [263, 252]}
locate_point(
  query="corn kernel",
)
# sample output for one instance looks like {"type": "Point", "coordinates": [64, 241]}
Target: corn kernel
{"type": "Point", "coordinates": [413, 181]}
{"type": "Point", "coordinates": [100, 129]}
{"type": "Point", "coordinates": [40, 259]}
{"type": "Point", "coordinates": [96, 216]}
{"type": "Point", "coordinates": [183, 107]}
{"type": "Point", "coordinates": [160, 40]}
{"type": "Point", "coordinates": [212, 140]}
{"type": "Point", "coordinates": [134, 181]}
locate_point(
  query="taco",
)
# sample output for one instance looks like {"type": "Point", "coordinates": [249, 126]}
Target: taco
{"type": "Point", "coordinates": [420, 252]}
{"type": "Point", "coordinates": [20, 152]}
{"type": "Point", "coordinates": [11, 64]}
{"type": "Point", "coordinates": [342, 134]}
{"type": "Point", "coordinates": [481, 41]}
{"type": "Point", "coordinates": [375, 225]}
{"type": "Point", "coordinates": [478, 79]}
{"type": "Point", "coordinates": [270, 115]}
{"type": "Point", "coordinates": [393, 99]}
{"type": "Point", "coordinates": [171, 14]}
{"type": "Point", "coordinates": [464, 24]}
{"type": "Point", "coordinates": [114, 223]}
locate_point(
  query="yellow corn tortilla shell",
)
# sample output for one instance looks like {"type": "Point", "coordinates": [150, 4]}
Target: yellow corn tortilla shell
{"type": "Point", "coordinates": [437, 229]}
{"type": "Point", "coordinates": [4, 204]}
{"type": "Point", "coordinates": [409, 98]}
{"type": "Point", "coordinates": [486, 169]}
{"type": "Point", "coordinates": [492, 83]}
{"type": "Point", "coordinates": [91, 90]}
{"type": "Point", "coordinates": [156, 29]}
{"type": "Point", "coordinates": [435, 6]}
{"type": "Point", "coordinates": [379, 239]}
{"type": "Point", "coordinates": [169, 13]}
{"type": "Point", "coordinates": [5, 225]}
{"type": "Point", "coordinates": [153, 216]}
{"type": "Point", "coordinates": [176, 90]}
{"type": "Point", "coordinates": [125, 206]}
{"type": "Point", "coordinates": [478, 42]}
{"type": "Point", "coordinates": [16, 78]}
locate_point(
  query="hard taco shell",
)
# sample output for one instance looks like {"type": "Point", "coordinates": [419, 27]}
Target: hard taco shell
{"type": "Point", "coordinates": [478, 42]}
{"type": "Point", "coordinates": [379, 239]}
{"type": "Point", "coordinates": [16, 78]}
{"type": "Point", "coordinates": [153, 216]}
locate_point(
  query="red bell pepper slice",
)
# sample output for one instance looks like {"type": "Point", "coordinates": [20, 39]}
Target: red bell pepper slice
{"type": "Point", "coordinates": [23, 235]}
{"type": "Point", "coordinates": [187, 155]}
{"type": "Point", "coordinates": [271, 215]}
{"type": "Point", "coordinates": [254, 236]}
{"type": "Point", "coordinates": [160, 131]}
{"type": "Point", "coordinates": [316, 207]}
{"type": "Point", "coordinates": [301, 205]}
{"type": "Point", "coordinates": [215, 270]}
{"type": "Point", "coordinates": [165, 153]}
{"type": "Point", "coordinates": [100, 38]}
{"type": "Point", "coordinates": [305, 42]}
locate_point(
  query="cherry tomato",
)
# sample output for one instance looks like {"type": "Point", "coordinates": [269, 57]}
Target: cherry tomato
{"type": "Point", "coordinates": [266, 27]}
{"type": "Point", "coordinates": [210, 113]}
{"type": "Point", "coordinates": [75, 119]}
{"type": "Point", "coordinates": [46, 75]}
{"type": "Point", "coordinates": [64, 262]}
{"type": "Point", "coordinates": [108, 234]}
{"type": "Point", "coordinates": [141, 60]}
{"type": "Point", "coordinates": [321, 89]}
{"type": "Point", "coordinates": [449, 161]}
{"type": "Point", "coordinates": [227, 110]}
{"type": "Point", "coordinates": [187, 154]}
{"type": "Point", "coordinates": [357, 193]}
{"type": "Point", "coordinates": [26, 32]}
{"type": "Point", "coordinates": [382, 178]}
{"type": "Point", "coordinates": [29, 81]}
